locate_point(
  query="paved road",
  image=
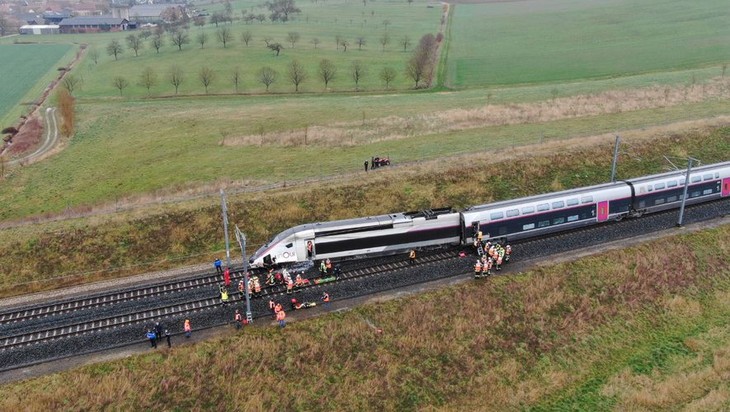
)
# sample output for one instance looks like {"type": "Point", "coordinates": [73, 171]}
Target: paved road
{"type": "Point", "coordinates": [49, 141]}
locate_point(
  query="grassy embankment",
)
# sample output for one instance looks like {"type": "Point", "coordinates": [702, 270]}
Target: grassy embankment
{"type": "Point", "coordinates": [635, 329]}
{"type": "Point", "coordinates": [26, 71]}
{"type": "Point", "coordinates": [88, 250]}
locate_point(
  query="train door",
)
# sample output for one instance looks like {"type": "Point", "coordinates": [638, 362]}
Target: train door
{"type": "Point", "coordinates": [726, 187]}
{"type": "Point", "coordinates": [602, 214]}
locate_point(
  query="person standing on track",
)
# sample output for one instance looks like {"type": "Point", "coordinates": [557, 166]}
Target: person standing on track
{"type": "Point", "coordinates": [412, 256]}
{"type": "Point", "coordinates": [169, 338]}
{"type": "Point", "coordinates": [227, 277]}
{"type": "Point", "coordinates": [218, 265]}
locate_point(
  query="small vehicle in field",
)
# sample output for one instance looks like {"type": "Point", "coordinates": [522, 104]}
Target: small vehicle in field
{"type": "Point", "coordinates": [380, 161]}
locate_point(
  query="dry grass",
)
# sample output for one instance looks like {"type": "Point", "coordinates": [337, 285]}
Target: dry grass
{"type": "Point", "coordinates": [507, 344]}
{"type": "Point", "coordinates": [348, 134]}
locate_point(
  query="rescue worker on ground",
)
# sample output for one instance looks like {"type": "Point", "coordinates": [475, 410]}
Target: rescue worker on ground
{"type": "Point", "coordinates": [270, 279]}
{"type": "Point", "coordinates": [328, 266]}
{"type": "Point", "coordinates": [218, 265]}
{"type": "Point", "coordinates": [478, 269]}
{"type": "Point", "coordinates": [238, 319]}
{"type": "Point", "coordinates": [326, 300]}
{"type": "Point", "coordinates": [412, 256]}
{"type": "Point", "coordinates": [289, 286]}
{"type": "Point", "coordinates": [487, 267]}
{"type": "Point", "coordinates": [152, 337]}
{"type": "Point", "coordinates": [224, 294]}
{"type": "Point", "coordinates": [159, 328]}
{"type": "Point", "coordinates": [278, 308]}
{"type": "Point", "coordinates": [280, 316]}
{"type": "Point", "coordinates": [272, 305]}
{"type": "Point", "coordinates": [300, 281]}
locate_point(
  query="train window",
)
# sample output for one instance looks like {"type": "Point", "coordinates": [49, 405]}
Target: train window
{"type": "Point", "coordinates": [694, 194]}
{"type": "Point", "coordinates": [642, 189]}
{"type": "Point", "coordinates": [528, 226]}
{"type": "Point", "coordinates": [513, 212]}
{"type": "Point", "coordinates": [707, 176]}
{"type": "Point", "coordinates": [672, 199]}
{"type": "Point", "coordinates": [573, 218]}
{"type": "Point", "coordinates": [543, 207]}
{"type": "Point", "coordinates": [717, 175]}
{"type": "Point", "coordinates": [528, 210]}
{"type": "Point", "coordinates": [681, 181]}
{"type": "Point", "coordinates": [586, 199]}
{"type": "Point", "coordinates": [558, 205]}
{"type": "Point", "coordinates": [659, 186]}
{"type": "Point", "coordinates": [707, 192]}
{"type": "Point", "coordinates": [659, 201]}
{"type": "Point", "coordinates": [673, 183]}
{"type": "Point", "coordinates": [649, 188]}
{"type": "Point", "coordinates": [496, 215]}
{"type": "Point", "coordinates": [543, 223]}
{"type": "Point", "coordinates": [696, 179]}
{"type": "Point", "coordinates": [288, 245]}
{"type": "Point", "coordinates": [558, 220]}
{"type": "Point", "coordinates": [572, 202]}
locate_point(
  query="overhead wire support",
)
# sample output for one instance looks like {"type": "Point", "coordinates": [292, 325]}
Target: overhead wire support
{"type": "Point", "coordinates": [242, 242]}
{"type": "Point", "coordinates": [224, 211]}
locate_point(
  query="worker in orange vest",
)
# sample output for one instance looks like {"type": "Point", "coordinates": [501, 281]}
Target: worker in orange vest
{"type": "Point", "coordinates": [280, 316]}
{"type": "Point", "coordinates": [478, 269]}
{"type": "Point", "coordinates": [326, 300]}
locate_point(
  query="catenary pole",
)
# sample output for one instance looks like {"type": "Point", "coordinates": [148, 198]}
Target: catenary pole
{"type": "Point", "coordinates": [224, 208]}
{"type": "Point", "coordinates": [615, 159]}
{"type": "Point", "coordinates": [242, 242]}
{"type": "Point", "coordinates": [686, 186]}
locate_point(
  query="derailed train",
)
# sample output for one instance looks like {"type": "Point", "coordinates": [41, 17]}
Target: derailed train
{"type": "Point", "coordinates": [514, 219]}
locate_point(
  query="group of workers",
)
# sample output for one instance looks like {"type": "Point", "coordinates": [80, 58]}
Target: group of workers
{"type": "Point", "coordinates": [158, 331]}
{"type": "Point", "coordinates": [491, 256]}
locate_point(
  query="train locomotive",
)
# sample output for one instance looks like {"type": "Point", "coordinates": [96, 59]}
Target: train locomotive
{"type": "Point", "coordinates": [514, 219]}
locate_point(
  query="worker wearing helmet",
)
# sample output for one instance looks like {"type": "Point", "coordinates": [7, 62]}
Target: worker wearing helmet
{"type": "Point", "coordinates": [478, 269]}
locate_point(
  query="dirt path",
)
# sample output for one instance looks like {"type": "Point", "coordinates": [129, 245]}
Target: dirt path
{"type": "Point", "coordinates": [48, 143]}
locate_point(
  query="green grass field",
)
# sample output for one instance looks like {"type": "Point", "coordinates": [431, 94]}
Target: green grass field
{"type": "Point", "coordinates": [25, 70]}
{"type": "Point", "coordinates": [565, 40]}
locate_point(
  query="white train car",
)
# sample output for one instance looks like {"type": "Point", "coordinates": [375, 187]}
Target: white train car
{"type": "Point", "coordinates": [374, 235]}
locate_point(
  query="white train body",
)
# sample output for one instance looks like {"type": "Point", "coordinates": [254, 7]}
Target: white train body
{"type": "Point", "coordinates": [513, 219]}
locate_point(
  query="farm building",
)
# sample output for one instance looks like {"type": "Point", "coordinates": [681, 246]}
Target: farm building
{"type": "Point", "coordinates": [39, 29]}
{"type": "Point", "coordinates": [150, 13]}
{"type": "Point", "coordinates": [93, 24]}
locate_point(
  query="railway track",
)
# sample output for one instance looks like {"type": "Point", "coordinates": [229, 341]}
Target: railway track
{"type": "Point", "coordinates": [364, 277]}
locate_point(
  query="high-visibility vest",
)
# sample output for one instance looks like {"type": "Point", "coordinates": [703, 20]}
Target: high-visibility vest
{"type": "Point", "coordinates": [326, 297]}
{"type": "Point", "coordinates": [187, 327]}
{"type": "Point", "coordinates": [238, 317]}
{"type": "Point", "coordinates": [478, 266]}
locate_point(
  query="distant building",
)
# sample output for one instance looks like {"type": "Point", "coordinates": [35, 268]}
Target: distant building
{"type": "Point", "coordinates": [39, 29]}
{"type": "Point", "coordinates": [93, 24]}
{"type": "Point", "coordinates": [55, 17]}
{"type": "Point", "coordinates": [147, 13]}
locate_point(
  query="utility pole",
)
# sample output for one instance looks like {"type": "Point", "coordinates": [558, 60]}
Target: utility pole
{"type": "Point", "coordinates": [224, 209]}
{"type": "Point", "coordinates": [615, 159]}
{"type": "Point", "coordinates": [242, 242]}
{"type": "Point", "coordinates": [690, 160]}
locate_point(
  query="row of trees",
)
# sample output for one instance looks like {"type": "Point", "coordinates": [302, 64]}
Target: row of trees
{"type": "Point", "coordinates": [225, 37]}
{"type": "Point", "coordinates": [296, 75]}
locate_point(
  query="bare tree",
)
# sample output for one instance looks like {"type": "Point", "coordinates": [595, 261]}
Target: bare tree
{"type": "Point", "coordinates": [217, 18]}
{"type": "Point", "coordinates": [327, 71]}
{"type": "Point", "coordinates": [360, 41]}
{"type": "Point", "coordinates": [357, 71]}
{"type": "Point", "coordinates": [206, 76]}
{"type": "Point", "coordinates": [387, 75]}
{"type": "Point", "coordinates": [277, 47]}
{"type": "Point", "coordinates": [236, 77]}
{"type": "Point", "coordinates": [114, 48]}
{"type": "Point", "coordinates": [261, 18]}
{"type": "Point", "coordinates": [293, 38]}
{"type": "Point", "coordinates": [224, 35]}
{"type": "Point", "coordinates": [282, 9]}
{"type": "Point", "coordinates": [148, 79]}
{"type": "Point", "coordinates": [202, 38]}
{"type": "Point", "coordinates": [405, 41]}
{"type": "Point", "coordinates": [384, 40]}
{"type": "Point", "coordinates": [199, 21]}
{"type": "Point", "coordinates": [246, 37]}
{"type": "Point", "coordinates": [315, 42]}
{"type": "Point", "coordinates": [228, 7]}
{"type": "Point", "coordinates": [176, 77]}
{"type": "Point", "coordinates": [94, 54]}
{"type": "Point", "coordinates": [179, 38]}
{"type": "Point", "coordinates": [344, 43]}
{"type": "Point", "coordinates": [267, 76]}
{"type": "Point", "coordinates": [6, 26]}
{"type": "Point", "coordinates": [135, 43]}
{"type": "Point", "coordinates": [297, 74]}
{"type": "Point", "coordinates": [420, 65]}
{"type": "Point", "coordinates": [386, 23]}
{"type": "Point", "coordinates": [338, 40]}
{"type": "Point", "coordinates": [120, 83]}
{"type": "Point", "coordinates": [157, 42]}
{"type": "Point", "coordinates": [70, 82]}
